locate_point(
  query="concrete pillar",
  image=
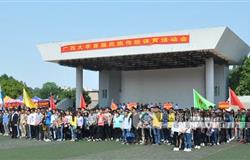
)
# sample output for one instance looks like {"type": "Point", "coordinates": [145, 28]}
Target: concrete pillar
{"type": "Point", "coordinates": [210, 79]}
{"type": "Point", "coordinates": [79, 84]}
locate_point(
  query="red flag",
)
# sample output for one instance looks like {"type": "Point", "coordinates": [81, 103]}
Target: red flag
{"type": "Point", "coordinates": [83, 104]}
{"type": "Point", "coordinates": [52, 103]}
{"type": "Point", "coordinates": [113, 106]}
{"type": "Point", "coordinates": [234, 100]}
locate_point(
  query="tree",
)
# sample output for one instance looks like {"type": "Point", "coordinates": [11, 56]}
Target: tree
{"type": "Point", "coordinates": [239, 78]}
{"type": "Point", "coordinates": [12, 87]}
{"type": "Point", "coordinates": [49, 88]}
{"type": "Point", "coordinates": [244, 83]}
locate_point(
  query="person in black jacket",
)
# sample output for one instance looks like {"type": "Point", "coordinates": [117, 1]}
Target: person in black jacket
{"type": "Point", "coordinates": [14, 124]}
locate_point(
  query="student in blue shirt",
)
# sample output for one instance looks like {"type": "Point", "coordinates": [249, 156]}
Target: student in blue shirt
{"type": "Point", "coordinates": [6, 123]}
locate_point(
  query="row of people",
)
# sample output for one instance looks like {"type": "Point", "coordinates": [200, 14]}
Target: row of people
{"type": "Point", "coordinates": [147, 125]}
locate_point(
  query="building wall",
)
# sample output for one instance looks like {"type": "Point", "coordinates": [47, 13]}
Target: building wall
{"type": "Point", "coordinates": [94, 99]}
{"type": "Point", "coordinates": [114, 86]}
{"type": "Point", "coordinates": [220, 82]}
{"type": "Point", "coordinates": [103, 85]}
{"type": "Point", "coordinates": [162, 85]}
{"type": "Point", "coordinates": [110, 82]}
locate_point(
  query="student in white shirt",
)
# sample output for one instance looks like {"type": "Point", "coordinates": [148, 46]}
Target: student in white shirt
{"type": "Point", "coordinates": [79, 123]}
{"type": "Point", "coordinates": [33, 119]}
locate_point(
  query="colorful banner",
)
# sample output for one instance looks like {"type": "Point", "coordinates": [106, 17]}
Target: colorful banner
{"type": "Point", "coordinates": [145, 41]}
{"type": "Point", "coordinates": [223, 105]}
{"type": "Point", "coordinates": [167, 106]}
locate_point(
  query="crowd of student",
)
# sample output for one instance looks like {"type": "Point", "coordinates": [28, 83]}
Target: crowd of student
{"type": "Point", "coordinates": [144, 124]}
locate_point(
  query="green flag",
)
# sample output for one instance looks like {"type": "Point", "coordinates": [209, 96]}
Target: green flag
{"type": "Point", "coordinates": [200, 102]}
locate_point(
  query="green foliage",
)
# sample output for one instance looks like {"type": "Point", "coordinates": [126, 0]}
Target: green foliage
{"type": "Point", "coordinates": [48, 88]}
{"type": "Point", "coordinates": [13, 88]}
{"type": "Point", "coordinates": [51, 88]}
{"type": "Point", "coordinates": [239, 78]}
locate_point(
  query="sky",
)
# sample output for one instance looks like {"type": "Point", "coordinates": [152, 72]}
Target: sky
{"type": "Point", "coordinates": [24, 24]}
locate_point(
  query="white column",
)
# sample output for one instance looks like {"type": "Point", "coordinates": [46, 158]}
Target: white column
{"type": "Point", "coordinates": [210, 79]}
{"type": "Point", "coordinates": [79, 84]}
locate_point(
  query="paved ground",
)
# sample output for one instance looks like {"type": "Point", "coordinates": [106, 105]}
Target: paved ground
{"type": "Point", "coordinates": [26, 149]}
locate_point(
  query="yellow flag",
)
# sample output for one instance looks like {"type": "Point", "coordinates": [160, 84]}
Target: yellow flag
{"type": "Point", "coordinates": [27, 100]}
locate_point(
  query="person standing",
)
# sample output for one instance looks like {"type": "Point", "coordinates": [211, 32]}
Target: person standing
{"type": "Point", "coordinates": [100, 125]}
{"type": "Point", "coordinates": [47, 134]}
{"type": "Point", "coordinates": [243, 126]}
{"type": "Point", "coordinates": [23, 123]}
{"type": "Point", "coordinates": [248, 126]}
{"type": "Point", "coordinates": [1, 123]}
{"type": "Point", "coordinates": [187, 135]}
{"type": "Point", "coordinates": [92, 125]}
{"type": "Point", "coordinates": [6, 123]}
{"type": "Point", "coordinates": [108, 124]}
{"type": "Point", "coordinates": [215, 130]}
{"type": "Point", "coordinates": [135, 125]}
{"type": "Point", "coordinates": [33, 120]}
{"type": "Point", "coordinates": [80, 123]}
{"type": "Point", "coordinates": [39, 122]}
{"type": "Point", "coordinates": [73, 125]}
{"type": "Point", "coordinates": [126, 126]}
{"type": "Point", "coordinates": [14, 124]}
{"type": "Point", "coordinates": [171, 119]}
{"type": "Point", "coordinates": [196, 125]}
{"type": "Point", "coordinates": [157, 124]}
{"type": "Point", "coordinates": [146, 122]}
{"type": "Point", "coordinates": [117, 126]}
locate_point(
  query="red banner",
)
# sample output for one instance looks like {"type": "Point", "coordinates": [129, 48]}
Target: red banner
{"type": "Point", "coordinates": [174, 39]}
